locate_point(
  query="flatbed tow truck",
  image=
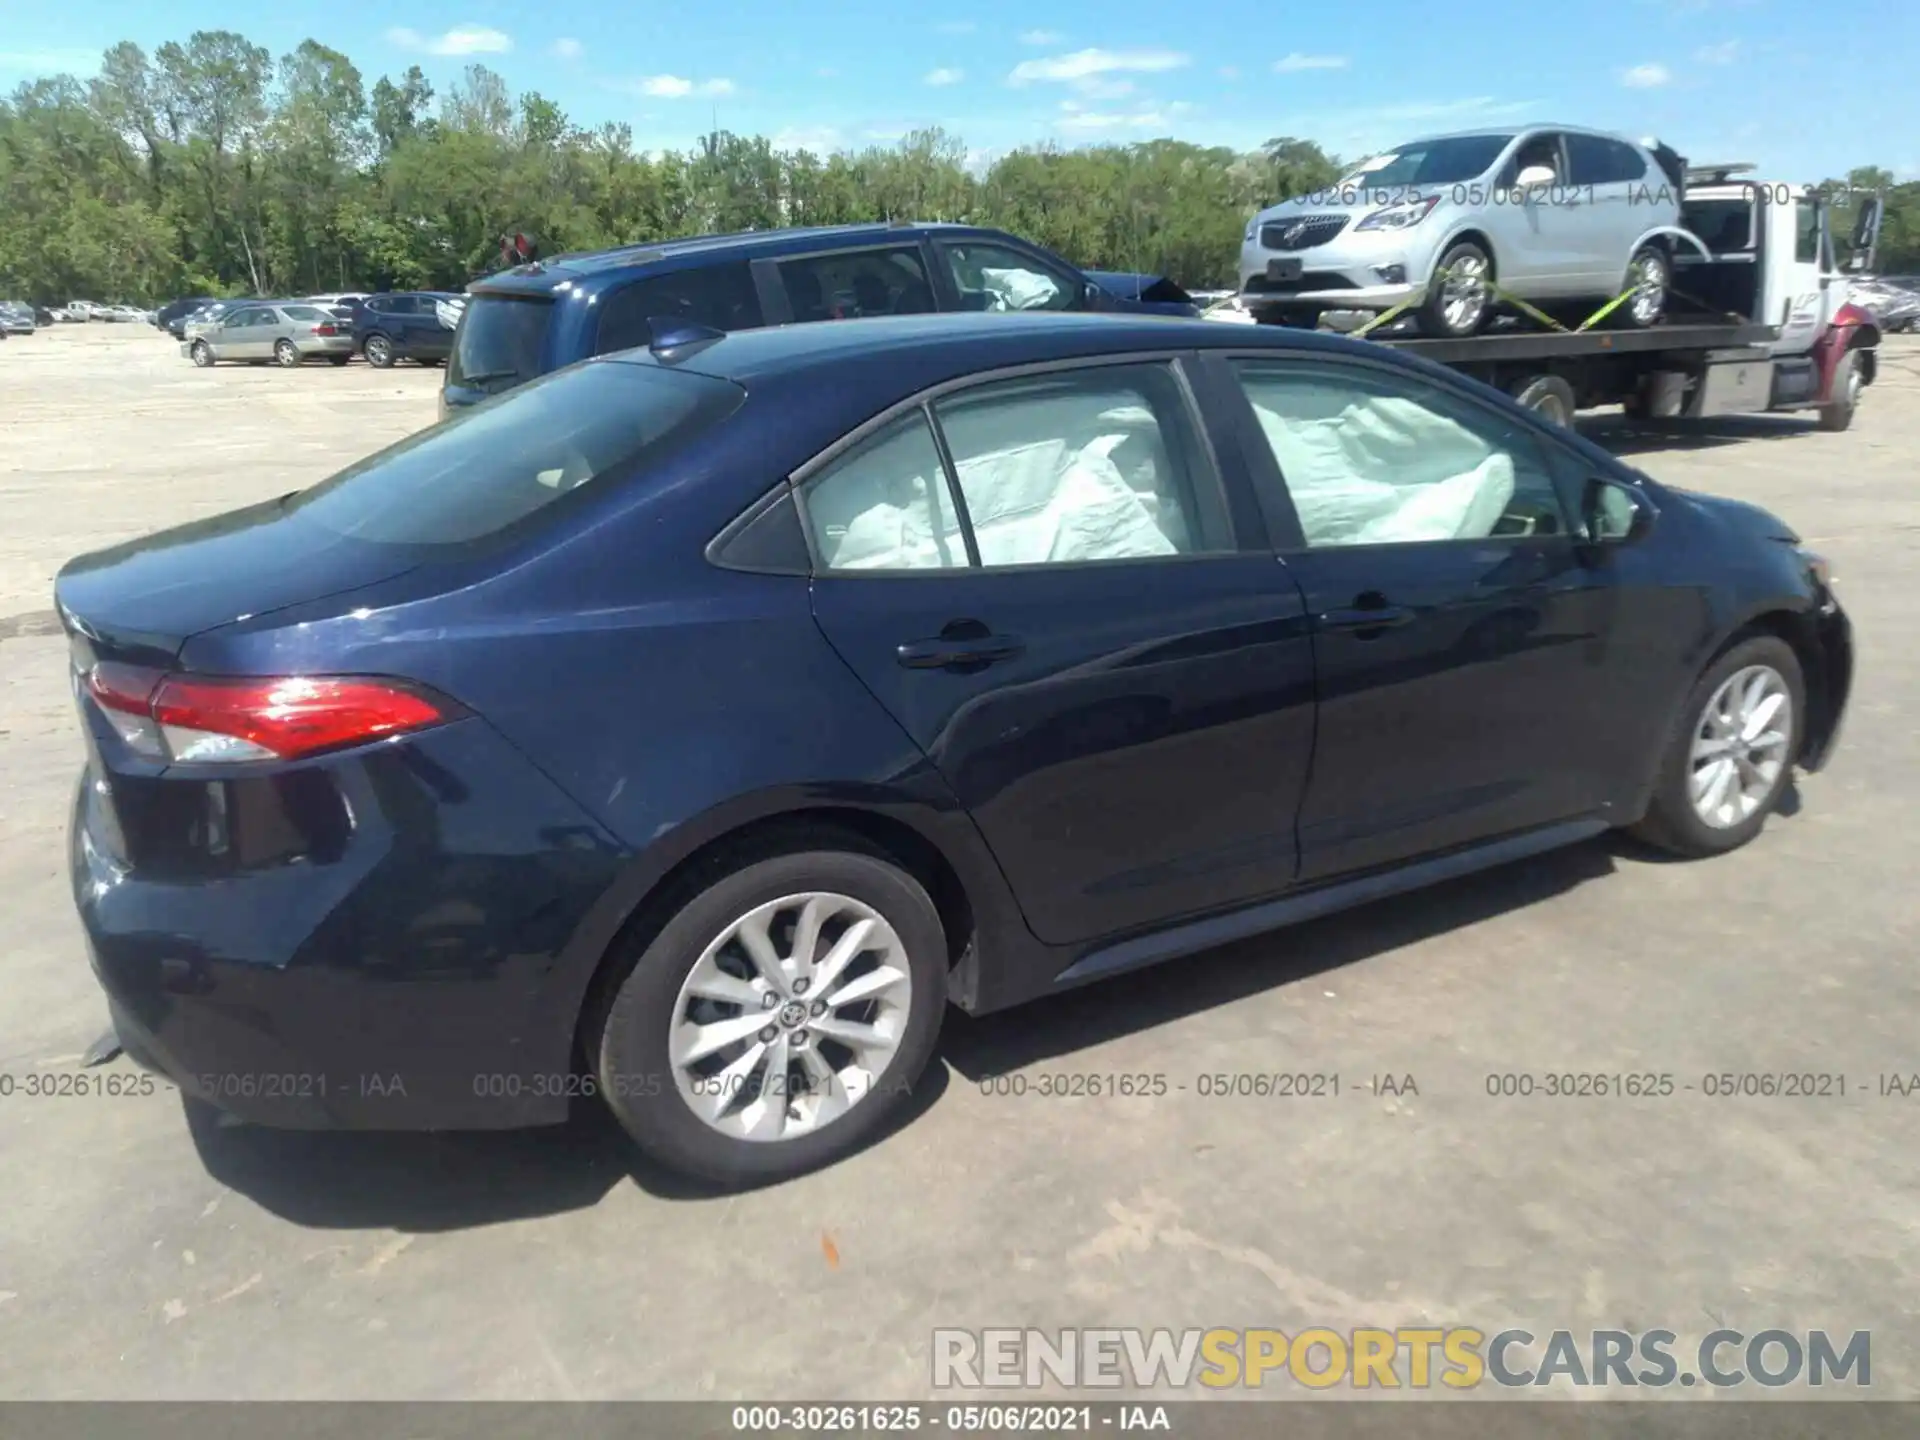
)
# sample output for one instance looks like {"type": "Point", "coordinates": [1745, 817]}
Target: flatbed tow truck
{"type": "Point", "coordinates": [1758, 320]}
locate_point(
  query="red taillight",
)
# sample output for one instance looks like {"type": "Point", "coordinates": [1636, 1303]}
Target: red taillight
{"type": "Point", "coordinates": [205, 719]}
{"type": "Point", "coordinates": [326, 330]}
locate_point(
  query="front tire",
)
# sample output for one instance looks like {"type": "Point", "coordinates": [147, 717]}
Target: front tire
{"type": "Point", "coordinates": [1837, 413]}
{"type": "Point", "coordinates": [1733, 754]}
{"type": "Point", "coordinates": [779, 1019]}
{"type": "Point", "coordinates": [379, 351]}
{"type": "Point", "coordinates": [1649, 277]}
{"type": "Point", "coordinates": [1459, 293]}
{"type": "Point", "coordinates": [201, 354]}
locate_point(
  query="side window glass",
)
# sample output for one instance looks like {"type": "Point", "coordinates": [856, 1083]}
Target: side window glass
{"type": "Point", "coordinates": [857, 283]}
{"type": "Point", "coordinates": [1588, 161]}
{"type": "Point", "coordinates": [720, 296]}
{"type": "Point", "coordinates": [1373, 459]}
{"type": "Point", "coordinates": [1626, 164]}
{"type": "Point", "coordinates": [1536, 150]}
{"type": "Point", "coordinates": [884, 505]}
{"type": "Point", "coordinates": [1806, 234]}
{"type": "Point", "coordinates": [1098, 464]}
{"type": "Point", "coordinates": [993, 277]}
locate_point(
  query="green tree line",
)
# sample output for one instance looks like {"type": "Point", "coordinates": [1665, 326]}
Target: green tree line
{"type": "Point", "coordinates": [208, 167]}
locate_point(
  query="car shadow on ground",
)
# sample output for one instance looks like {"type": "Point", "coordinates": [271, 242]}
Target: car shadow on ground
{"type": "Point", "coordinates": [1623, 437]}
{"type": "Point", "coordinates": [427, 1183]}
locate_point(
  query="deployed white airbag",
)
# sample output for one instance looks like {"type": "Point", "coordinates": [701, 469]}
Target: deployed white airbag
{"type": "Point", "coordinates": [1017, 289]}
{"type": "Point", "coordinates": [1371, 470]}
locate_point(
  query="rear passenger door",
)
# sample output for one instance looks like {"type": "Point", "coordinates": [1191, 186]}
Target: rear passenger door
{"type": "Point", "coordinates": [431, 340]}
{"type": "Point", "coordinates": [853, 284]}
{"type": "Point", "coordinates": [1604, 174]}
{"type": "Point", "coordinates": [1054, 587]}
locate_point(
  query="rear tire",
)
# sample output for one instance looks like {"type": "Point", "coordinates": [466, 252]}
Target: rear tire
{"type": "Point", "coordinates": [1688, 816]}
{"type": "Point", "coordinates": [285, 354]}
{"type": "Point", "coordinates": [1650, 277]}
{"type": "Point", "coordinates": [696, 976]}
{"type": "Point", "coordinates": [1549, 397]}
{"type": "Point", "coordinates": [338, 360]}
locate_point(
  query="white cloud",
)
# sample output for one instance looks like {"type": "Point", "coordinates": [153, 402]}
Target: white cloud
{"type": "Point", "coordinates": [956, 27]}
{"type": "Point", "coordinates": [1082, 63]}
{"type": "Point", "coordinates": [1076, 117]}
{"type": "Point", "coordinates": [1725, 53]}
{"type": "Point", "coordinates": [1296, 61]}
{"type": "Point", "coordinates": [49, 62]}
{"type": "Point", "coordinates": [567, 49]}
{"type": "Point", "coordinates": [820, 139]}
{"type": "Point", "coordinates": [1041, 37]}
{"type": "Point", "coordinates": [675, 87]}
{"type": "Point", "coordinates": [461, 40]}
{"type": "Point", "coordinates": [944, 76]}
{"type": "Point", "coordinates": [1650, 76]}
{"type": "Point", "coordinates": [1099, 87]}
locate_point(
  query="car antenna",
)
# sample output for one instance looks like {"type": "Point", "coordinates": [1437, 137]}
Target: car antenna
{"type": "Point", "coordinates": [675, 339]}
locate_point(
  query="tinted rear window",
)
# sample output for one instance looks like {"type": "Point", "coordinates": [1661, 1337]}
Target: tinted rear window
{"type": "Point", "coordinates": [500, 343]}
{"type": "Point", "coordinates": [499, 463]}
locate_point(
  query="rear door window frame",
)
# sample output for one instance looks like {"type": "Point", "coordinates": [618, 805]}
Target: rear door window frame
{"type": "Point", "coordinates": [1221, 467]}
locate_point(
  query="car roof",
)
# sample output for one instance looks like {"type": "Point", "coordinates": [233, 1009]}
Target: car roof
{"type": "Point", "coordinates": [547, 274]}
{"type": "Point", "coordinates": [949, 345]}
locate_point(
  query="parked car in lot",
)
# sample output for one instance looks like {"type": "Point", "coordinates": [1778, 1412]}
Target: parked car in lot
{"type": "Point", "coordinates": [172, 315]}
{"type": "Point", "coordinates": [1550, 214]}
{"type": "Point", "coordinates": [1053, 649]}
{"type": "Point", "coordinates": [16, 318]}
{"type": "Point", "coordinates": [408, 326]}
{"type": "Point", "coordinates": [42, 316]}
{"type": "Point", "coordinates": [534, 318]}
{"type": "Point", "coordinates": [77, 312]}
{"type": "Point", "coordinates": [283, 332]}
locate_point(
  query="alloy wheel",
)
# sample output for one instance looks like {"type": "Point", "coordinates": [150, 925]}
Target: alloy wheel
{"type": "Point", "coordinates": [1647, 278]}
{"type": "Point", "coordinates": [1463, 293]}
{"type": "Point", "coordinates": [1740, 746]}
{"type": "Point", "coordinates": [789, 1016]}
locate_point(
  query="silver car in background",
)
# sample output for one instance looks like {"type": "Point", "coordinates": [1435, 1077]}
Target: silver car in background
{"type": "Point", "coordinates": [285, 332]}
{"type": "Point", "coordinates": [1548, 213]}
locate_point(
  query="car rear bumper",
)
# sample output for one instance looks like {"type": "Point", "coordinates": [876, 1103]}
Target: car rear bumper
{"type": "Point", "coordinates": [325, 345]}
{"type": "Point", "coordinates": [370, 941]}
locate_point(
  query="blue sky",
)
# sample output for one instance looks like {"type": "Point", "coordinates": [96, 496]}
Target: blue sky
{"type": "Point", "coordinates": [1769, 81]}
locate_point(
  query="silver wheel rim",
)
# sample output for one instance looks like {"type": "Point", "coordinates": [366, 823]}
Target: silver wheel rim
{"type": "Point", "coordinates": [789, 1017]}
{"type": "Point", "coordinates": [1647, 277]}
{"type": "Point", "coordinates": [377, 351]}
{"type": "Point", "coordinates": [1854, 383]}
{"type": "Point", "coordinates": [200, 354]}
{"type": "Point", "coordinates": [1463, 292]}
{"type": "Point", "coordinates": [286, 354]}
{"type": "Point", "coordinates": [1740, 746]}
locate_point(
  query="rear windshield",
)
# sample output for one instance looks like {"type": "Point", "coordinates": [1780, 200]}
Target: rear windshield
{"type": "Point", "coordinates": [302, 312]}
{"type": "Point", "coordinates": [500, 343]}
{"type": "Point", "coordinates": [497, 464]}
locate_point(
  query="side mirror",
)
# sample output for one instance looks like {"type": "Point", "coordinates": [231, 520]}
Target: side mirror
{"type": "Point", "coordinates": [1866, 233]}
{"type": "Point", "coordinates": [1615, 513]}
{"type": "Point", "coordinates": [1535, 177]}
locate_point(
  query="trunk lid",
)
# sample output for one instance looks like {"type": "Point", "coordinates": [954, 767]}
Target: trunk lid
{"type": "Point", "coordinates": [142, 601]}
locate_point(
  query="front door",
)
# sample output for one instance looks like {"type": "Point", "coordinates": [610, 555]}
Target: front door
{"type": "Point", "coordinates": [1536, 229]}
{"type": "Point", "coordinates": [1466, 688]}
{"type": "Point", "coordinates": [1038, 578]}
{"type": "Point", "coordinates": [248, 335]}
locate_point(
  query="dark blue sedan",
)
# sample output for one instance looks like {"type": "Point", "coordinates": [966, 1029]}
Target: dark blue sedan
{"type": "Point", "coordinates": [690, 727]}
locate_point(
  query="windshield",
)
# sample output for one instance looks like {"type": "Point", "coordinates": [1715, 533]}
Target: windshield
{"type": "Point", "coordinates": [500, 343]}
{"type": "Point", "coordinates": [1430, 162]}
{"type": "Point", "coordinates": [303, 312]}
{"type": "Point", "coordinates": [498, 463]}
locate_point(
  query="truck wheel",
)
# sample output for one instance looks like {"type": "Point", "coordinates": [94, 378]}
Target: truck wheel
{"type": "Point", "coordinates": [1648, 275]}
{"type": "Point", "coordinates": [1837, 413]}
{"type": "Point", "coordinates": [1459, 292]}
{"type": "Point", "coordinates": [1549, 397]}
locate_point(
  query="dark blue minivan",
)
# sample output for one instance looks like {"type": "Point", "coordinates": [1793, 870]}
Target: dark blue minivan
{"type": "Point", "coordinates": [540, 316]}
